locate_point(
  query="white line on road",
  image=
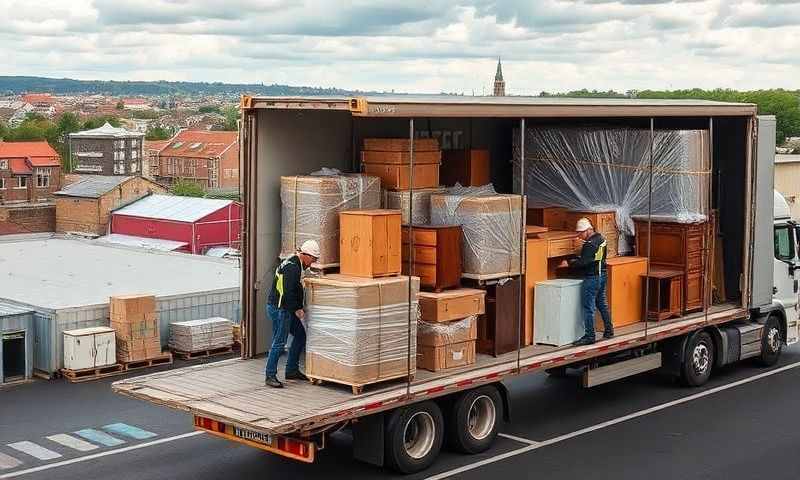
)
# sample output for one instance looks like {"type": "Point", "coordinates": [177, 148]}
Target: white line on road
{"type": "Point", "coordinates": [518, 439]}
{"type": "Point", "coordinates": [98, 455]}
{"type": "Point", "coordinates": [34, 450]}
{"type": "Point", "coordinates": [72, 442]}
{"type": "Point", "coordinates": [599, 426]}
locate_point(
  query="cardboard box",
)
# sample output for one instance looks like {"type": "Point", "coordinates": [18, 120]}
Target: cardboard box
{"type": "Point", "coordinates": [398, 177]}
{"type": "Point", "coordinates": [451, 304]}
{"type": "Point", "coordinates": [146, 328]}
{"type": "Point", "coordinates": [129, 308]}
{"type": "Point", "coordinates": [466, 167]}
{"type": "Point", "coordinates": [446, 356]}
{"type": "Point", "coordinates": [135, 350]}
{"type": "Point", "coordinates": [438, 334]}
{"type": "Point", "coordinates": [370, 243]}
{"type": "Point", "coordinates": [358, 328]}
{"type": "Point", "coordinates": [310, 207]}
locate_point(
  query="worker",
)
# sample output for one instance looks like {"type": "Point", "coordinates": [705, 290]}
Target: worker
{"type": "Point", "coordinates": [285, 309]}
{"type": "Point", "coordinates": [591, 263]}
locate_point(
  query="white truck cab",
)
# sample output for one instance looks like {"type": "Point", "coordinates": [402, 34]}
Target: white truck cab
{"type": "Point", "coordinates": [787, 264]}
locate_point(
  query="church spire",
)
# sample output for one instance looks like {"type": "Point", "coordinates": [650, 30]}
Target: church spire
{"type": "Point", "coordinates": [499, 83]}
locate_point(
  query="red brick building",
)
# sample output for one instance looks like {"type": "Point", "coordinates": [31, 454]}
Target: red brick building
{"type": "Point", "coordinates": [209, 158]}
{"type": "Point", "coordinates": [29, 172]}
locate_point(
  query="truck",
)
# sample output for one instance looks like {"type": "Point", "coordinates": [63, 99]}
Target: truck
{"type": "Point", "coordinates": [404, 424]}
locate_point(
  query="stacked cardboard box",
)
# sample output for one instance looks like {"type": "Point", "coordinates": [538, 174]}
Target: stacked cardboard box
{"type": "Point", "coordinates": [448, 329]}
{"type": "Point", "coordinates": [200, 335]}
{"type": "Point", "coordinates": [135, 321]}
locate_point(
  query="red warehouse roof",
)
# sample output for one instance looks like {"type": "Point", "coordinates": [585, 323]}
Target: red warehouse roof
{"type": "Point", "coordinates": [200, 144]}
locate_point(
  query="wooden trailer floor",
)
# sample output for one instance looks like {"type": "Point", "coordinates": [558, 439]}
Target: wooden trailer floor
{"type": "Point", "coordinates": [233, 390]}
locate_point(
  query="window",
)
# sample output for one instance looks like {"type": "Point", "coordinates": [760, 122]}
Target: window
{"type": "Point", "coordinates": [22, 182]}
{"type": "Point", "coordinates": [119, 143]}
{"type": "Point", "coordinates": [134, 167]}
{"type": "Point", "coordinates": [784, 248]}
{"type": "Point", "coordinates": [119, 167]}
{"type": "Point", "coordinates": [134, 143]}
{"type": "Point", "coordinates": [3, 164]}
{"type": "Point", "coordinates": [134, 154]}
{"type": "Point", "coordinates": [2, 183]}
{"type": "Point", "coordinates": [43, 177]}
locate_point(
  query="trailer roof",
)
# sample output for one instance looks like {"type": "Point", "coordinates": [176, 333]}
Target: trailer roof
{"type": "Point", "coordinates": [470, 106]}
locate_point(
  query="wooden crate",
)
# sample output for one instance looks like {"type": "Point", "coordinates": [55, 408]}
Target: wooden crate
{"type": "Point", "coordinates": [466, 167]}
{"type": "Point", "coordinates": [436, 257]}
{"type": "Point", "coordinates": [369, 243]}
{"type": "Point", "coordinates": [400, 158]}
{"type": "Point", "coordinates": [446, 356]}
{"type": "Point", "coordinates": [451, 304]}
{"type": "Point", "coordinates": [401, 144]}
{"type": "Point", "coordinates": [624, 291]}
{"type": "Point", "coordinates": [398, 177]}
{"type": "Point", "coordinates": [551, 217]}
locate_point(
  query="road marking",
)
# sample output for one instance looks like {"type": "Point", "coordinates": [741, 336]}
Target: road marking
{"type": "Point", "coordinates": [518, 439]}
{"type": "Point", "coordinates": [129, 431]}
{"type": "Point", "coordinates": [72, 442]}
{"type": "Point", "coordinates": [8, 462]}
{"type": "Point", "coordinates": [609, 423]}
{"type": "Point", "coordinates": [99, 437]}
{"type": "Point", "coordinates": [98, 455]}
{"type": "Point", "coordinates": [34, 450]}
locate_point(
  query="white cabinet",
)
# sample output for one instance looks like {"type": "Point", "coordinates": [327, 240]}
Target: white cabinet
{"type": "Point", "coordinates": [89, 348]}
{"type": "Point", "coordinates": [557, 312]}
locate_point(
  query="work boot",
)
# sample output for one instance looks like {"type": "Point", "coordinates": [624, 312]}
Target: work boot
{"type": "Point", "coordinates": [584, 340]}
{"type": "Point", "coordinates": [608, 334]}
{"type": "Point", "coordinates": [298, 375]}
{"type": "Point", "coordinates": [273, 382]}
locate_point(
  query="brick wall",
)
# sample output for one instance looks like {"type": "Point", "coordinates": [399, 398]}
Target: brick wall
{"type": "Point", "coordinates": [27, 219]}
{"type": "Point", "coordinates": [229, 169]}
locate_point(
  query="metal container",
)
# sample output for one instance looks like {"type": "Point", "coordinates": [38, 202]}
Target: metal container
{"type": "Point", "coordinates": [16, 342]}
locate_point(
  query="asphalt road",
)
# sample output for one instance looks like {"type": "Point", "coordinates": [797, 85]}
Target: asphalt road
{"type": "Point", "coordinates": [642, 427]}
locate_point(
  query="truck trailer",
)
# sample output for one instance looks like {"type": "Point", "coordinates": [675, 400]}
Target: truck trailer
{"type": "Point", "coordinates": [403, 424]}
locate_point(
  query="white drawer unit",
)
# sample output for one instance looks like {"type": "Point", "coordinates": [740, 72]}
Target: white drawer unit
{"type": "Point", "coordinates": [557, 312]}
{"type": "Point", "coordinates": [89, 348]}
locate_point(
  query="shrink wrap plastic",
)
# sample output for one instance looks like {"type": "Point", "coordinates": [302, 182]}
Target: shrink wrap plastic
{"type": "Point", "coordinates": [608, 169]}
{"type": "Point", "coordinates": [446, 333]}
{"type": "Point", "coordinates": [310, 206]}
{"type": "Point", "coordinates": [421, 213]}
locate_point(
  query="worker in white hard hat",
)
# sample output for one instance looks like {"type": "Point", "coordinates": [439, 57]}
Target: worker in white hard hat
{"type": "Point", "coordinates": [592, 264]}
{"type": "Point", "coordinates": [285, 309]}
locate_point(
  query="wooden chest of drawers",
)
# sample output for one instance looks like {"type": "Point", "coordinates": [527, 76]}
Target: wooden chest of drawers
{"type": "Point", "coordinates": [679, 246]}
{"type": "Point", "coordinates": [436, 255]}
{"type": "Point", "coordinates": [499, 329]}
{"type": "Point", "coordinates": [467, 167]}
{"type": "Point", "coordinates": [551, 217]}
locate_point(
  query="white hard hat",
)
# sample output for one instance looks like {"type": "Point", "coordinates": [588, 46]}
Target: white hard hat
{"type": "Point", "coordinates": [310, 247]}
{"type": "Point", "coordinates": [583, 225]}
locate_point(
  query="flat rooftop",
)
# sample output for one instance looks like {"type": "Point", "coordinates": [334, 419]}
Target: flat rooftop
{"type": "Point", "coordinates": [58, 272]}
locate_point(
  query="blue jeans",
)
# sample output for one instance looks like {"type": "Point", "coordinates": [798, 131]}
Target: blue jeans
{"type": "Point", "coordinates": [594, 295]}
{"type": "Point", "coordinates": [283, 323]}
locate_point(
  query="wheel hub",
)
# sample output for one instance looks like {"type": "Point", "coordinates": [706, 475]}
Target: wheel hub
{"type": "Point", "coordinates": [481, 417]}
{"type": "Point", "coordinates": [701, 358]}
{"type": "Point", "coordinates": [774, 339]}
{"type": "Point", "coordinates": [419, 435]}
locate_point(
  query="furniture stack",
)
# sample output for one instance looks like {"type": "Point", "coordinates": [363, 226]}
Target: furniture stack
{"type": "Point", "coordinates": [435, 255]}
{"type": "Point", "coordinates": [135, 321]}
{"type": "Point", "coordinates": [310, 207]}
{"type": "Point", "coordinates": [390, 160]}
{"type": "Point", "coordinates": [448, 328]}
{"type": "Point", "coordinates": [469, 168]}
{"type": "Point", "coordinates": [201, 335]}
{"type": "Point", "coordinates": [361, 324]}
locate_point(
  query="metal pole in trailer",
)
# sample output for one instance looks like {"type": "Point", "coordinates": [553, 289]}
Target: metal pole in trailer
{"type": "Point", "coordinates": [649, 224]}
{"type": "Point", "coordinates": [522, 245]}
{"type": "Point", "coordinates": [410, 247]}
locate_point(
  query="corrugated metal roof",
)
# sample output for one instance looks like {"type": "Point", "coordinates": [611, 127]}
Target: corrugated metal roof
{"type": "Point", "coordinates": [7, 309]}
{"type": "Point", "coordinates": [142, 242]}
{"type": "Point", "coordinates": [92, 186]}
{"type": "Point", "coordinates": [173, 207]}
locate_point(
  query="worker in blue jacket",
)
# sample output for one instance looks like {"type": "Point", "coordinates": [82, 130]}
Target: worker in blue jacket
{"type": "Point", "coordinates": [592, 263]}
{"type": "Point", "coordinates": [285, 309]}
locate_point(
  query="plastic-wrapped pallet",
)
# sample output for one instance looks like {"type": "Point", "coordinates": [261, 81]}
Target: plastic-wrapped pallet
{"type": "Point", "coordinates": [421, 207]}
{"type": "Point", "coordinates": [608, 169]}
{"type": "Point", "coordinates": [310, 206]}
{"type": "Point", "coordinates": [490, 224]}
{"type": "Point", "coordinates": [358, 328]}
{"type": "Point", "coordinates": [202, 334]}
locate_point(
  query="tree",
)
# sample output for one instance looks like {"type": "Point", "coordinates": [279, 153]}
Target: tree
{"type": "Point", "coordinates": [67, 123]}
{"type": "Point", "coordinates": [187, 188]}
{"type": "Point", "coordinates": [209, 109]}
{"type": "Point", "coordinates": [158, 133]}
{"type": "Point", "coordinates": [231, 114]}
{"type": "Point", "coordinates": [120, 105]}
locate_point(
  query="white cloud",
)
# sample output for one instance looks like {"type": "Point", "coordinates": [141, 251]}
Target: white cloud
{"type": "Point", "coordinates": [412, 45]}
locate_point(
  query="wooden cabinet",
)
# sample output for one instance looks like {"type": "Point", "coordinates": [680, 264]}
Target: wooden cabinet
{"type": "Point", "coordinates": [665, 293]}
{"type": "Point", "coordinates": [551, 217]}
{"type": "Point", "coordinates": [535, 271]}
{"type": "Point", "coordinates": [467, 167]}
{"type": "Point", "coordinates": [679, 246]}
{"type": "Point", "coordinates": [436, 255]}
{"type": "Point", "coordinates": [398, 177]}
{"type": "Point", "coordinates": [369, 243]}
{"type": "Point", "coordinates": [498, 329]}
{"type": "Point", "coordinates": [624, 290]}
{"type": "Point", "coordinates": [451, 304]}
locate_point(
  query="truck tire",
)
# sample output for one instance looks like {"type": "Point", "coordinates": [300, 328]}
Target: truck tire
{"type": "Point", "coordinates": [771, 342]}
{"type": "Point", "coordinates": [414, 437]}
{"type": "Point", "coordinates": [473, 420]}
{"type": "Point", "coordinates": [698, 358]}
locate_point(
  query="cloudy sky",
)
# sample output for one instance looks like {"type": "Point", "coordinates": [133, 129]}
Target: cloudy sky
{"type": "Point", "coordinates": [411, 45]}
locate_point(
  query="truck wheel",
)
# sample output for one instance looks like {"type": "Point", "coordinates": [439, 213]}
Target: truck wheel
{"type": "Point", "coordinates": [698, 357]}
{"type": "Point", "coordinates": [771, 343]}
{"type": "Point", "coordinates": [473, 420]}
{"type": "Point", "coordinates": [414, 437]}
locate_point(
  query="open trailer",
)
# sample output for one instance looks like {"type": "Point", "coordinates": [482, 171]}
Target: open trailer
{"type": "Point", "coordinates": [404, 423]}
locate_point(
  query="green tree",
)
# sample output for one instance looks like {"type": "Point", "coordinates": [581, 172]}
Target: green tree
{"type": "Point", "coordinates": [231, 114]}
{"type": "Point", "coordinates": [158, 133]}
{"type": "Point", "coordinates": [120, 105]}
{"type": "Point", "coordinates": [67, 123]}
{"type": "Point", "coordinates": [209, 109]}
{"type": "Point", "coordinates": [187, 188]}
